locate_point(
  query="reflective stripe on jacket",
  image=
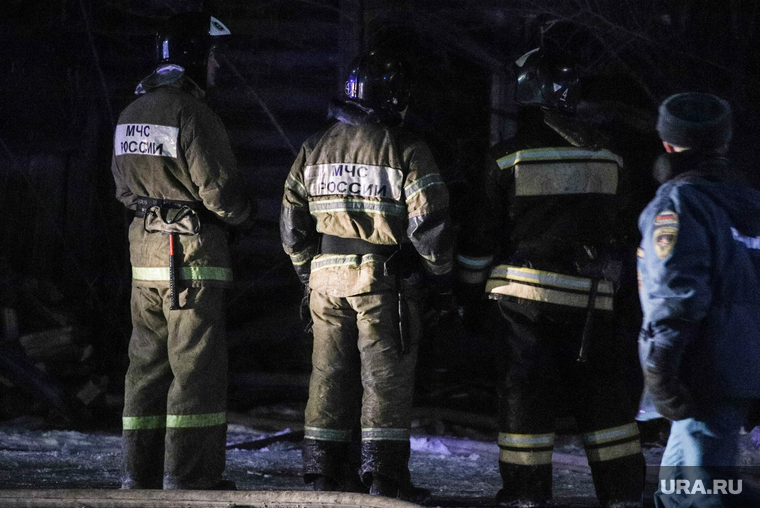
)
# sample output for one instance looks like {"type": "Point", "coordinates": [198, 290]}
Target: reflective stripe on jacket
{"type": "Point", "coordinates": [542, 286]}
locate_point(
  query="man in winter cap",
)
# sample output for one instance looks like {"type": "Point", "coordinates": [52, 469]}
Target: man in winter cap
{"type": "Point", "coordinates": [699, 274]}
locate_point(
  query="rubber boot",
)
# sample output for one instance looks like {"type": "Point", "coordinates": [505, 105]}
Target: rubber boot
{"type": "Point", "coordinates": [525, 486]}
{"type": "Point", "coordinates": [387, 487]}
{"type": "Point", "coordinates": [332, 466]}
{"type": "Point", "coordinates": [619, 483]}
{"type": "Point", "coordinates": [385, 469]}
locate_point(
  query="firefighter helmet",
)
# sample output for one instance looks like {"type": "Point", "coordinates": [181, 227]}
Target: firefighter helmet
{"type": "Point", "coordinates": [547, 81]}
{"type": "Point", "coordinates": [378, 79]}
{"type": "Point", "coordinates": [550, 75]}
{"type": "Point", "coordinates": [187, 39]}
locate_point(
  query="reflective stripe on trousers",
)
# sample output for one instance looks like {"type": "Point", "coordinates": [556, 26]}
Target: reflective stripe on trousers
{"type": "Point", "coordinates": [612, 443]}
{"type": "Point", "coordinates": [526, 449]}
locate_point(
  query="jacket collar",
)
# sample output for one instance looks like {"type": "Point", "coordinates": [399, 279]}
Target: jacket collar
{"type": "Point", "coordinates": [169, 75]}
{"type": "Point", "coordinates": [353, 113]}
{"type": "Point", "coordinates": [691, 163]}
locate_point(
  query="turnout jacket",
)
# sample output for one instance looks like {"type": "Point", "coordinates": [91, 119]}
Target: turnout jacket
{"type": "Point", "coordinates": [169, 145]}
{"type": "Point", "coordinates": [547, 221]}
{"type": "Point", "coordinates": [699, 279]}
{"type": "Point", "coordinates": [363, 177]}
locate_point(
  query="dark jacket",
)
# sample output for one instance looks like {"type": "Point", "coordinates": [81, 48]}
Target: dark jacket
{"type": "Point", "coordinates": [551, 201]}
{"type": "Point", "coordinates": [699, 282]}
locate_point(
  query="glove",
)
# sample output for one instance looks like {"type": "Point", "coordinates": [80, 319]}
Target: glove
{"type": "Point", "coordinates": [245, 228]}
{"type": "Point", "coordinates": [303, 272]}
{"type": "Point", "coordinates": [671, 397]}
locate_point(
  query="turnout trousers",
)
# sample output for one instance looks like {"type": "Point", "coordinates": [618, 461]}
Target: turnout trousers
{"type": "Point", "coordinates": [538, 371]}
{"type": "Point", "coordinates": [175, 421]}
{"type": "Point", "coordinates": [360, 394]}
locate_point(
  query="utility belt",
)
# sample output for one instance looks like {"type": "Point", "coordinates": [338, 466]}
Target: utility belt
{"type": "Point", "coordinates": [174, 216]}
{"type": "Point", "coordinates": [171, 217]}
{"type": "Point", "coordinates": [144, 203]}
{"type": "Point", "coordinates": [331, 244]}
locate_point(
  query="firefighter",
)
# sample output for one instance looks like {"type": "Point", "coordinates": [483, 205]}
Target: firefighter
{"type": "Point", "coordinates": [365, 222]}
{"type": "Point", "coordinates": [174, 168]}
{"type": "Point", "coordinates": [545, 252]}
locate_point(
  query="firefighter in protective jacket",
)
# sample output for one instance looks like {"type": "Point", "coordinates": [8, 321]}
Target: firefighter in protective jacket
{"type": "Point", "coordinates": [173, 166]}
{"type": "Point", "coordinates": [544, 251]}
{"type": "Point", "coordinates": [359, 192]}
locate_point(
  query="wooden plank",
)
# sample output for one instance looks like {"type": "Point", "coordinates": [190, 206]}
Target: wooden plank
{"type": "Point", "coordinates": [192, 499]}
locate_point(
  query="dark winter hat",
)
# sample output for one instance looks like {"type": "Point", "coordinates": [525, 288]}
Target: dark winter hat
{"type": "Point", "coordinates": [695, 120]}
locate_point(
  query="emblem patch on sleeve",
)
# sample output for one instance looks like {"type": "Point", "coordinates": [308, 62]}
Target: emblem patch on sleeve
{"type": "Point", "coordinates": [665, 233]}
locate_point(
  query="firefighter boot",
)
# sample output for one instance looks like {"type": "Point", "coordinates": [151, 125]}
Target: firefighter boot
{"type": "Point", "coordinates": [525, 486]}
{"type": "Point", "coordinates": [405, 491]}
{"type": "Point", "coordinates": [385, 468]}
{"type": "Point", "coordinates": [332, 466]}
{"type": "Point", "coordinates": [143, 465]}
{"type": "Point", "coordinates": [619, 483]}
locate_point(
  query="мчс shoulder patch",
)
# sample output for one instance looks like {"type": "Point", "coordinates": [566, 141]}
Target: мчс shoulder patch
{"type": "Point", "coordinates": [665, 233]}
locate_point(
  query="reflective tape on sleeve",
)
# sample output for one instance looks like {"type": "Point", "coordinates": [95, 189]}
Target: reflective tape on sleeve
{"type": "Point", "coordinates": [474, 263]}
{"type": "Point", "coordinates": [473, 270]}
{"type": "Point", "coordinates": [296, 186]}
{"type": "Point", "coordinates": [423, 183]}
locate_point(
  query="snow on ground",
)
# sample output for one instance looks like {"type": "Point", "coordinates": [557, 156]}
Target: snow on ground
{"type": "Point", "coordinates": [459, 472]}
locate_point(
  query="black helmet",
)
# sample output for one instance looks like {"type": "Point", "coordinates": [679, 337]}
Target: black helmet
{"type": "Point", "coordinates": [186, 40]}
{"type": "Point", "coordinates": [379, 80]}
{"type": "Point", "coordinates": [550, 75]}
{"type": "Point", "coordinates": [546, 81]}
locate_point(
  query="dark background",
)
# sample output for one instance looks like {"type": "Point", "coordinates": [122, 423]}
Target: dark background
{"type": "Point", "coordinates": [68, 68]}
